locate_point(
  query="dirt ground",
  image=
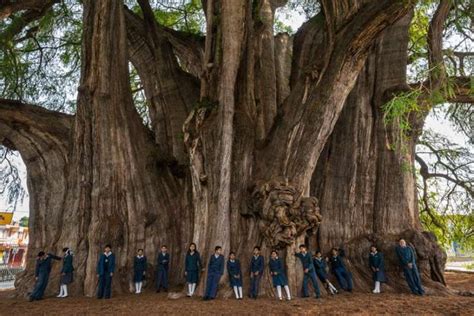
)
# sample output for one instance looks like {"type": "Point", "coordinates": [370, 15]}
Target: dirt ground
{"type": "Point", "coordinates": [150, 303]}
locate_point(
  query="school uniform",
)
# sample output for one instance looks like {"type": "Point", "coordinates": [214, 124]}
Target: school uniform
{"type": "Point", "coordinates": [139, 268]}
{"type": "Point", "coordinates": [42, 271]}
{"type": "Point", "coordinates": [162, 268]}
{"type": "Point", "coordinates": [67, 269]}
{"type": "Point", "coordinates": [215, 270]}
{"type": "Point", "coordinates": [235, 277]}
{"type": "Point", "coordinates": [105, 270]}
{"type": "Point", "coordinates": [376, 263]}
{"type": "Point", "coordinates": [343, 276]}
{"type": "Point", "coordinates": [320, 268]}
{"type": "Point", "coordinates": [256, 265]}
{"type": "Point", "coordinates": [277, 272]}
{"type": "Point", "coordinates": [307, 263]}
{"type": "Point", "coordinates": [406, 255]}
{"type": "Point", "coordinates": [192, 267]}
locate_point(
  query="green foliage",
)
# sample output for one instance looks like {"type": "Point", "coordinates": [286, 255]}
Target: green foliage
{"type": "Point", "coordinates": [24, 221]}
{"type": "Point", "coordinates": [398, 110]}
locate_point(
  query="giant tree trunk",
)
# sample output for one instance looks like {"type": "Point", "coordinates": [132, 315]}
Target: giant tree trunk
{"type": "Point", "coordinates": [270, 126]}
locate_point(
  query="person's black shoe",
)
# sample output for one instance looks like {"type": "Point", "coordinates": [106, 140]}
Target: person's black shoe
{"type": "Point", "coordinates": [205, 298]}
{"type": "Point", "coordinates": [31, 299]}
{"type": "Point", "coordinates": [165, 290]}
{"type": "Point", "coordinates": [158, 291]}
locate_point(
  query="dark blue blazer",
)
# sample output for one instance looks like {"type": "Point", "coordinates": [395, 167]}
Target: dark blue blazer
{"type": "Point", "coordinates": [139, 264]}
{"type": "Point", "coordinates": [216, 265]}
{"type": "Point", "coordinates": [276, 265]}
{"type": "Point", "coordinates": [43, 266]}
{"type": "Point", "coordinates": [320, 265]}
{"type": "Point", "coordinates": [192, 262]}
{"type": "Point", "coordinates": [306, 261]}
{"type": "Point", "coordinates": [106, 261]}
{"type": "Point", "coordinates": [233, 268]}
{"type": "Point", "coordinates": [257, 265]}
{"type": "Point", "coordinates": [67, 264]}
{"type": "Point", "coordinates": [162, 261]}
{"type": "Point", "coordinates": [405, 255]}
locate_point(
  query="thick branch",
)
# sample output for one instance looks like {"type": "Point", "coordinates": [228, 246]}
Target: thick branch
{"type": "Point", "coordinates": [316, 101]}
{"type": "Point", "coordinates": [33, 121]}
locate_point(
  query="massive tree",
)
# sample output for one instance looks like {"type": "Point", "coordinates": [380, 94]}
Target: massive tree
{"type": "Point", "coordinates": [254, 138]}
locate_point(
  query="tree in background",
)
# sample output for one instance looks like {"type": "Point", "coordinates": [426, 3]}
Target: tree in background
{"type": "Point", "coordinates": [204, 126]}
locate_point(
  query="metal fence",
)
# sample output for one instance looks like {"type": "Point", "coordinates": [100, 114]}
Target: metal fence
{"type": "Point", "coordinates": [8, 274]}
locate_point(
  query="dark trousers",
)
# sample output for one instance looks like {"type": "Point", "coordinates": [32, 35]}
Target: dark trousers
{"type": "Point", "coordinates": [255, 285]}
{"type": "Point", "coordinates": [344, 278]}
{"type": "Point", "coordinates": [105, 286]}
{"type": "Point", "coordinates": [162, 279]}
{"type": "Point", "coordinates": [212, 284]}
{"type": "Point", "coordinates": [310, 276]}
{"type": "Point", "coordinates": [413, 279]}
{"type": "Point", "coordinates": [40, 286]}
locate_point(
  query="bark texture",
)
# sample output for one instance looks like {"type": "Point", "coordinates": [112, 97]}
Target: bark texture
{"type": "Point", "coordinates": [255, 139]}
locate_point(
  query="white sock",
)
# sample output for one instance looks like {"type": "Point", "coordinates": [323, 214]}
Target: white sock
{"type": "Point", "coordinates": [136, 288]}
{"type": "Point", "coordinates": [377, 287]}
{"type": "Point", "coordinates": [279, 291]}
{"type": "Point", "coordinates": [193, 288]}
{"type": "Point", "coordinates": [236, 291]}
{"type": "Point", "coordinates": [61, 293]}
{"type": "Point", "coordinates": [287, 290]}
{"type": "Point", "coordinates": [240, 292]}
{"type": "Point", "coordinates": [140, 284]}
{"type": "Point", "coordinates": [332, 288]}
{"type": "Point", "coordinates": [64, 290]}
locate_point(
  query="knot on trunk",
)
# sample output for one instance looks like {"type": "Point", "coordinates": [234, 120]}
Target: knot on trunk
{"type": "Point", "coordinates": [282, 213]}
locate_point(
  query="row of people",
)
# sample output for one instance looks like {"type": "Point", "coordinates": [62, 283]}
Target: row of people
{"type": "Point", "coordinates": [314, 267]}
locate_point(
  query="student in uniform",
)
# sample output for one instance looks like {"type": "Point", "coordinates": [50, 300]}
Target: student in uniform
{"type": "Point", "coordinates": [343, 276]}
{"type": "Point", "coordinates": [257, 265]}
{"type": "Point", "coordinates": [309, 273]}
{"type": "Point", "coordinates": [277, 271]}
{"type": "Point", "coordinates": [407, 260]}
{"type": "Point", "coordinates": [42, 270]}
{"type": "Point", "coordinates": [377, 265]}
{"type": "Point", "coordinates": [139, 270]}
{"type": "Point", "coordinates": [66, 272]}
{"type": "Point", "coordinates": [192, 267]}
{"type": "Point", "coordinates": [320, 267]}
{"type": "Point", "coordinates": [215, 269]}
{"type": "Point", "coordinates": [235, 275]}
{"type": "Point", "coordinates": [105, 272]}
{"type": "Point", "coordinates": [162, 268]}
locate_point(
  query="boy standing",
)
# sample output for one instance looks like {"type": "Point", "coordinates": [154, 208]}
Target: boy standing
{"type": "Point", "coordinates": [162, 268]}
{"type": "Point", "coordinates": [309, 273]}
{"type": "Point", "coordinates": [344, 277]}
{"type": "Point", "coordinates": [256, 270]}
{"type": "Point", "coordinates": [42, 270]}
{"type": "Point", "coordinates": [407, 259]}
{"type": "Point", "coordinates": [105, 272]}
{"type": "Point", "coordinates": [215, 269]}
{"type": "Point", "coordinates": [377, 266]}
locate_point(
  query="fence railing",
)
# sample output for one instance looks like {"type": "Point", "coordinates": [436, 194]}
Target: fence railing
{"type": "Point", "coordinates": [8, 274]}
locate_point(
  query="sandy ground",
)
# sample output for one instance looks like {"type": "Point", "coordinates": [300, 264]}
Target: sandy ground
{"type": "Point", "coordinates": [343, 304]}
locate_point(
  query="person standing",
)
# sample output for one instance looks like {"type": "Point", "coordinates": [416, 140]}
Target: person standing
{"type": "Point", "coordinates": [308, 269]}
{"type": "Point", "coordinates": [192, 267]}
{"type": "Point", "coordinates": [139, 270]}
{"type": "Point", "coordinates": [162, 268]}
{"type": "Point", "coordinates": [377, 265]}
{"type": "Point", "coordinates": [257, 265]}
{"type": "Point", "coordinates": [105, 272]}
{"type": "Point", "coordinates": [343, 276]}
{"type": "Point", "coordinates": [66, 272]}
{"type": "Point", "coordinates": [407, 260]}
{"type": "Point", "coordinates": [215, 269]}
{"type": "Point", "coordinates": [320, 268]}
{"type": "Point", "coordinates": [42, 271]}
{"type": "Point", "coordinates": [235, 275]}
{"type": "Point", "coordinates": [277, 271]}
